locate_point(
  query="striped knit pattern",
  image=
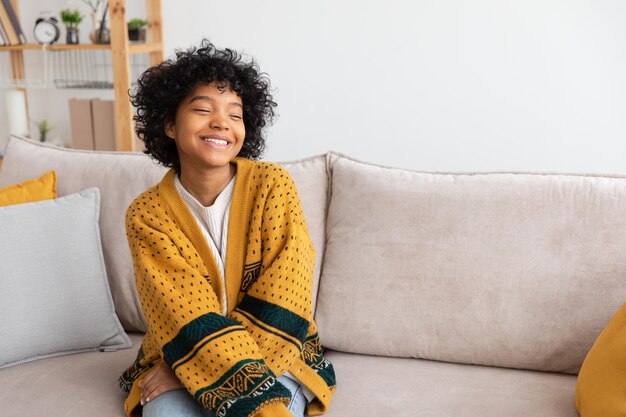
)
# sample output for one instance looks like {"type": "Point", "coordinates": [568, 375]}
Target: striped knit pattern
{"type": "Point", "coordinates": [229, 362]}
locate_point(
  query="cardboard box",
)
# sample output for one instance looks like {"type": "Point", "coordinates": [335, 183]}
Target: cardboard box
{"type": "Point", "coordinates": [93, 124]}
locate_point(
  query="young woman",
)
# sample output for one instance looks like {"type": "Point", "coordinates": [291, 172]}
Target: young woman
{"type": "Point", "coordinates": [223, 260]}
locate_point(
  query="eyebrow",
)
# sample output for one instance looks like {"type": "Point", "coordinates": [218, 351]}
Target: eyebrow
{"type": "Point", "coordinates": [207, 98]}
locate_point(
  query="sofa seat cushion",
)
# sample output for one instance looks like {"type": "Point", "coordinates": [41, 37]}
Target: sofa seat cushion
{"type": "Point", "coordinates": [83, 384]}
{"type": "Point", "coordinates": [404, 387]}
{"type": "Point", "coordinates": [86, 384]}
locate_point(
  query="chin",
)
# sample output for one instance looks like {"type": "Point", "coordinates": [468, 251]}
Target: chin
{"type": "Point", "coordinates": [219, 162]}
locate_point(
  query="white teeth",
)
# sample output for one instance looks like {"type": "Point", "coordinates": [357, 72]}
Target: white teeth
{"type": "Point", "coordinates": [216, 141]}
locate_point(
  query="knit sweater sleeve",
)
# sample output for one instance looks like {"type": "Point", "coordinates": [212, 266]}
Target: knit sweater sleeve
{"type": "Point", "coordinates": [276, 307]}
{"type": "Point", "coordinates": [215, 357]}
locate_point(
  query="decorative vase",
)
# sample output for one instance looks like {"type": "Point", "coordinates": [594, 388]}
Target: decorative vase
{"type": "Point", "coordinates": [102, 36]}
{"type": "Point", "coordinates": [71, 37]}
{"type": "Point", "coordinates": [95, 36]}
{"type": "Point", "coordinates": [95, 25]}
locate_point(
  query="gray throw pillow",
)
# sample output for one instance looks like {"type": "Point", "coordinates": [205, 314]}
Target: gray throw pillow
{"type": "Point", "coordinates": [54, 294]}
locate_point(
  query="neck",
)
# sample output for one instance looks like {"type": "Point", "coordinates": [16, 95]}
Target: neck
{"type": "Point", "coordinates": [206, 185]}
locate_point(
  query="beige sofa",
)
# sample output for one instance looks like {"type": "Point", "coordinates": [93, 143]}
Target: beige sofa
{"type": "Point", "coordinates": [438, 294]}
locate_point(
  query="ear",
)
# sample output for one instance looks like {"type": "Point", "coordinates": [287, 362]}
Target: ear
{"type": "Point", "coordinates": [170, 130]}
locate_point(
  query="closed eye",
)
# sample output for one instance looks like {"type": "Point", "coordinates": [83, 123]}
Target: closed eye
{"type": "Point", "coordinates": [202, 110]}
{"type": "Point", "coordinates": [235, 116]}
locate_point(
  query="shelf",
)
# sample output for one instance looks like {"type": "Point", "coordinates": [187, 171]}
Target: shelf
{"type": "Point", "coordinates": [114, 66]}
{"type": "Point", "coordinates": [58, 47]}
{"type": "Point", "coordinates": [141, 48]}
{"type": "Point", "coordinates": [133, 48]}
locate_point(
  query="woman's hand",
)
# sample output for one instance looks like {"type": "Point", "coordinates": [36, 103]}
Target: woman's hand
{"type": "Point", "coordinates": [159, 380]}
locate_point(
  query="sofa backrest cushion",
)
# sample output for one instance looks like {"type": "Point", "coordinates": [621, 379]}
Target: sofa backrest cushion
{"type": "Point", "coordinates": [311, 178]}
{"type": "Point", "coordinates": [512, 270]}
{"type": "Point", "coordinates": [121, 176]}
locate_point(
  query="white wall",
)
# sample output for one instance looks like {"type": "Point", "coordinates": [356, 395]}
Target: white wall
{"type": "Point", "coordinates": [429, 84]}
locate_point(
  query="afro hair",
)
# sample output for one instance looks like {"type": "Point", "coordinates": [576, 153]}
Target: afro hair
{"type": "Point", "coordinates": [163, 87]}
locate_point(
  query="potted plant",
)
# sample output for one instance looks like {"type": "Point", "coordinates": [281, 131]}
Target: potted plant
{"type": "Point", "coordinates": [137, 30]}
{"type": "Point", "coordinates": [71, 19]}
{"type": "Point", "coordinates": [44, 129]}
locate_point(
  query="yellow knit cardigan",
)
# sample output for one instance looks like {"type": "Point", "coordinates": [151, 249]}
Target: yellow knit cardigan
{"type": "Point", "coordinates": [228, 363]}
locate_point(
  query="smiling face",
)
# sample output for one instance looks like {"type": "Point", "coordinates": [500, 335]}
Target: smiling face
{"type": "Point", "coordinates": [208, 129]}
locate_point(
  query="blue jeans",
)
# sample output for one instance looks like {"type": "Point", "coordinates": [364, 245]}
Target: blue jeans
{"type": "Point", "coordinates": [179, 403]}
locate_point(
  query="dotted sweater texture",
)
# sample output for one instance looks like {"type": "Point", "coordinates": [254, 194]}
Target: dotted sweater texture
{"type": "Point", "coordinates": [228, 363]}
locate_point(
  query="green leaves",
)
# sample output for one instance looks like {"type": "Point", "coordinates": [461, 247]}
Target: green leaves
{"type": "Point", "coordinates": [71, 18]}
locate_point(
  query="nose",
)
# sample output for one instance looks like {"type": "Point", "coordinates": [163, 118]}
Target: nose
{"type": "Point", "coordinates": [218, 121]}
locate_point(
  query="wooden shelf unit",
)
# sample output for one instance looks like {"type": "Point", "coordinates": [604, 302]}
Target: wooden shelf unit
{"type": "Point", "coordinates": [120, 49]}
{"type": "Point", "coordinates": [133, 48]}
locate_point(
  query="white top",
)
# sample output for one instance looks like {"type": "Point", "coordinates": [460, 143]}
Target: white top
{"type": "Point", "coordinates": [213, 222]}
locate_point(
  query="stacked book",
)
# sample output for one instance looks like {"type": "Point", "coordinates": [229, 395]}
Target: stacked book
{"type": "Point", "coordinates": [10, 29]}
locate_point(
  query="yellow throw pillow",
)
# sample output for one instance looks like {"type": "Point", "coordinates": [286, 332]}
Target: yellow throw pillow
{"type": "Point", "coordinates": [601, 384]}
{"type": "Point", "coordinates": [42, 188]}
